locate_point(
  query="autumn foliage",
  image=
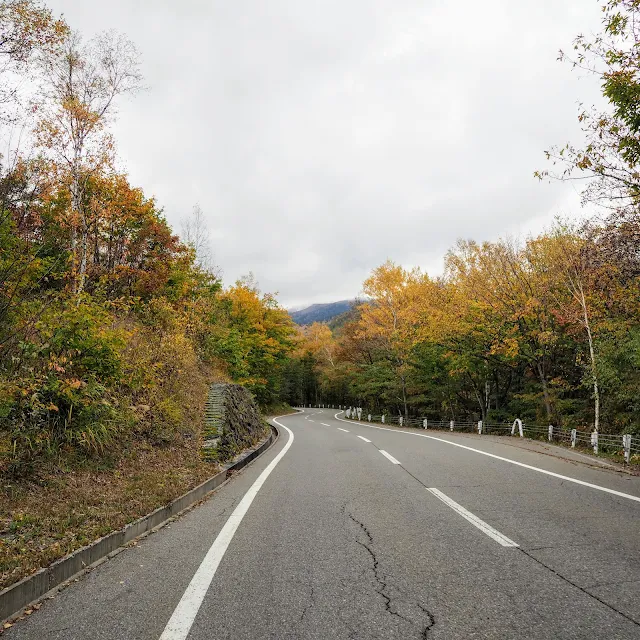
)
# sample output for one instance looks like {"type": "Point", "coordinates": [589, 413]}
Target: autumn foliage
{"type": "Point", "coordinates": [111, 328]}
{"type": "Point", "coordinates": [547, 330]}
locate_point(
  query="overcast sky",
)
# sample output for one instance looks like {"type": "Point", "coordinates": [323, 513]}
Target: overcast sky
{"type": "Point", "coordinates": [321, 137]}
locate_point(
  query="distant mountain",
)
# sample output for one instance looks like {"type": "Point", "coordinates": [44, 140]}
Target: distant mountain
{"type": "Point", "coordinates": [321, 312]}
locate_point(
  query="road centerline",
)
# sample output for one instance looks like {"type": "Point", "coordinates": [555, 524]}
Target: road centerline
{"type": "Point", "coordinates": [389, 456]}
{"type": "Point", "coordinates": [345, 430]}
{"type": "Point", "coordinates": [473, 519]}
{"type": "Point", "coordinates": [363, 438]}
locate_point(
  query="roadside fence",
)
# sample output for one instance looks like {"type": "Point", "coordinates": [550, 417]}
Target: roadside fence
{"type": "Point", "coordinates": [624, 446]}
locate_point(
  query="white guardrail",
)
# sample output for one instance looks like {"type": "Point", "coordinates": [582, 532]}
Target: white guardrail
{"type": "Point", "coordinates": [624, 445]}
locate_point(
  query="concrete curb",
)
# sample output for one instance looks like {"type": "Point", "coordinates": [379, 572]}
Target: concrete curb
{"type": "Point", "coordinates": [29, 590]}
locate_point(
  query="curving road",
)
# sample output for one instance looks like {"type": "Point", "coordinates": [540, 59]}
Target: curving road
{"type": "Point", "coordinates": [344, 530]}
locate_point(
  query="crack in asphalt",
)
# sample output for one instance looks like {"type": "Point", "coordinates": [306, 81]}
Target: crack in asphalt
{"type": "Point", "coordinates": [577, 586]}
{"type": "Point", "coordinates": [432, 621]}
{"type": "Point", "coordinates": [309, 604]}
{"type": "Point", "coordinates": [382, 584]}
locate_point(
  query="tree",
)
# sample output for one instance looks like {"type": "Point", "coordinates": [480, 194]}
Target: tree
{"type": "Point", "coordinates": [320, 342]}
{"type": "Point", "coordinates": [27, 30]}
{"type": "Point", "coordinates": [563, 257]}
{"type": "Point", "coordinates": [195, 234]}
{"type": "Point", "coordinates": [253, 336]}
{"type": "Point", "coordinates": [609, 162]}
{"type": "Point", "coordinates": [510, 295]}
{"type": "Point", "coordinates": [390, 319]}
{"type": "Point", "coordinates": [82, 84]}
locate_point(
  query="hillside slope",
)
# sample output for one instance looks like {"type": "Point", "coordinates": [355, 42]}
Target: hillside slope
{"type": "Point", "coordinates": [320, 312]}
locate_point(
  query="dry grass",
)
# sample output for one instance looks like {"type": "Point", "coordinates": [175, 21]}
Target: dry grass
{"type": "Point", "coordinates": [40, 523]}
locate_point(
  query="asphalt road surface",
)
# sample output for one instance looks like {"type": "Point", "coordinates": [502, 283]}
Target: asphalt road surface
{"type": "Point", "coordinates": [343, 530]}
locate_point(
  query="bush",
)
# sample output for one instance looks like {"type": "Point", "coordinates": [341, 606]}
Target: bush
{"type": "Point", "coordinates": [60, 392]}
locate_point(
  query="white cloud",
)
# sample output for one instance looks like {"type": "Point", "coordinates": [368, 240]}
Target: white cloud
{"type": "Point", "coordinates": [323, 138]}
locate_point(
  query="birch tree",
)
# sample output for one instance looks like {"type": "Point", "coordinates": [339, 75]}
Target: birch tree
{"type": "Point", "coordinates": [563, 257]}
{"type": "Point", "coordinates": [195, 233]}
{"type": "Point", "coordinates": [82, 84]}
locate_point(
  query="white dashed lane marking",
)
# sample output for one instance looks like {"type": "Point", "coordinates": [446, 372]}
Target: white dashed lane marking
{"type": "Point", "coordinates": [389, 456]}
{"type": "Point", "coordinates": [474, 520]}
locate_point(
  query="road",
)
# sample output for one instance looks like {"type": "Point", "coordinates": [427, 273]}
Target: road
{"type": "Point", "coordinates": [360, 532]}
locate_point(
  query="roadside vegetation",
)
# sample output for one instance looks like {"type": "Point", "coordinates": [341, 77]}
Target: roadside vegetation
{"type": "Point", "coordinates": [112, 327]}
{"type": "Point", "coordinates": [546, 329]}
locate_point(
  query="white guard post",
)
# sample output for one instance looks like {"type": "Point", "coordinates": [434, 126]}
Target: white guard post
{"type": "Point", "coordinates": [400, 421]}
{"type": "Point", "coordinates": [480, 427]}
{"type": "Point", "coordinates": [550, 432]}
{"type": "Point", "coordinates": [359, 413]}
{"type": "Point", "coordinates": [451, 425]}
{"type": "Point", "coordinates": [517, 422]}
{"type": "Point", "coordinates": [424, 423]}
{"type": "Point", "coordinates": [574, 435]}
{"type": "Point", "coordinates": [369, 418]}
{"type": "Point", "coordinates": [626, 443]}
{"type": "Point", "coordinates": [383, 418]}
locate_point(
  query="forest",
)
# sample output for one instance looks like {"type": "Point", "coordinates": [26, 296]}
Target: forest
{"type": "Point", "coordinates": [546, 331]}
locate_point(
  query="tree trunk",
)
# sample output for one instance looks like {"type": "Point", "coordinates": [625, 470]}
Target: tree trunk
{"type": "Point", "coordinates": [479, 399]}
{"type": "Point", "coordinates": [592, 354]}
{"type": "Point", "coordinates": [84, 248]}
{"type": "Point", "coordinates": [75, 213]}
{"type": "Point", "coordinates": [404, 399]}
{"type": "Point", "coordinates": [487, 400]}
{"type": "Point", "coordinates": [545, 389]}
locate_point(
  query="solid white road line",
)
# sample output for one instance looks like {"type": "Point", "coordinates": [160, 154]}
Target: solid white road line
{"type": "Point", "coordinates": [389, 456]}
{"type": "Point", "coordinates": [345, 430]}
{"type": "Point", "coordinates": [493, 455]}
{"type": "Point", "coordinates": [363, 438]}
{"type": "Point", "coordinates": [185, 613]}
{"type": "Point", "coordinates": [474, 520]}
